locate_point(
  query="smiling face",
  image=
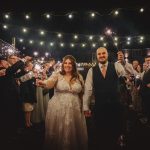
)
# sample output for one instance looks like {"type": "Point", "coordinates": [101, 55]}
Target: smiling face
{"type": "Point", "coordinates": [68, 66]}
{"type": "Point", "coordinates": [102, 55]}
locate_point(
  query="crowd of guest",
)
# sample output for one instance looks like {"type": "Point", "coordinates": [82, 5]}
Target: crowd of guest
{"type": "Point", "coordinates": [22, 102]}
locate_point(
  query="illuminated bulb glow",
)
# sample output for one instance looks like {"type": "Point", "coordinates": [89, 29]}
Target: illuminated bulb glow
{"type": "Point", "coordinates": [116, 12]}
{"type": "Point", "coordinates": [141, 10]}
{"type": "Point", "coordinates": [5, 26]}
{"type": "Point", "coordinates": [75, 37]}
{"type": "Point", "coordinates": [92, 14]}
{"type": "Point", "coordinates": [35, 53]}
{"type": "Point", "coordinates": [70, 16]}
{"type": "Point", "coordinates": [27, 17]}
{"type": "Point", "coordinates": [6, 16]}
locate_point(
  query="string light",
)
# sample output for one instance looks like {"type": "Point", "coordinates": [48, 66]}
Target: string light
{"type": "Point", "coordinates": [59, 35]}
{"type": "Point", "coordinates": [83, 44]}
{"type": "Point", "coordinates": [72, 45]}
{"type": "Point", "coordinates": [108, 32]}
{"type": "Point", "coordinates": [129, 38]}
{"type": "Point", "coordinates": [48, 16]}
{"type": "Point", "coordinates": [41, 43]}
{"type": "Point", "coordinates": [70, 16]}
{"type": "Point", "coordinates": [93, 45]}
{"type": "Point", "coordinates": [46, 54]}
{"type": "Point", "coordinates": [75, 37]}
{"type": "Point", "coordinates": [116, 43]}
{"type": "Point", "coordinates": [141, 38]}
{"type": "Point", "coordinates": [128, 42]}
{"type": "Point", "coordinates": [51, 44]}
{"type": "Point", "coordinates": [101, 38]}
{"type": "Point", "coordinates": [31, 41]}
{"type": "Point", "coordinates": [91, 37]}
{"type": "Point", "coordinates": [116, 12]}
{"type": "Point", "coordinates": [141, 41]}
{"type": "Point", "coordinates": [27, 17]}
{"type": "Point", "coordinates": [6, 16]}
{"type": "Point", "coordinates": [92, 15]}
{"type": "Point", "coordinates": [24, 30]}
{"type": "Point", "coordinates": [5, 26]}
{"type": "Point", "coordinates": [42, 32]}
{"type": "Point", "coordinates": [116, 38]}
{"type": "Point", "coordinates": [35, 53]}
{"type": "Point", "coordinates": [142, 10]}
{"type": "Point", "coordinates": [21, 40]}
{"type": "Point", "coordinates": [105, 44]}
{"type": "Point", "coordinates": [62, 44]}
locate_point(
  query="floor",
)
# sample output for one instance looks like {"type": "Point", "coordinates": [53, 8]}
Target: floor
{"type": "Point", "coordinates": [137, 138]}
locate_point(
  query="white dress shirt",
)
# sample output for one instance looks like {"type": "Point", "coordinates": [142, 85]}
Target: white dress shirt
{"type": "Point", "coordinates": [88, 92]}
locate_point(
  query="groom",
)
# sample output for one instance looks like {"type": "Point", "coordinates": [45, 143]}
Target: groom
{"type": "Point", "coordinates": [102, 81]}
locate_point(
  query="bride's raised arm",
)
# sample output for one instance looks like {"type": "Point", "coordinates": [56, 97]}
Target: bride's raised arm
{"type": "Point", "coordinates": [49, 83]}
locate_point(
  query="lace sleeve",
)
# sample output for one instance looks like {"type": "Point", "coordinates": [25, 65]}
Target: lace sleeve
{"type": "Point", "coordinates": [51, 81]}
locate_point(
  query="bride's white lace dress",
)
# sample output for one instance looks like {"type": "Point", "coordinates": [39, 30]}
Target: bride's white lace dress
{"type": "Point", "coordinates": [65, 125]}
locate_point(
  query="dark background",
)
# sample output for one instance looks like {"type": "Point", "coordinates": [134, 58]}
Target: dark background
{"type": "Point", "coordinates": [129, 22]}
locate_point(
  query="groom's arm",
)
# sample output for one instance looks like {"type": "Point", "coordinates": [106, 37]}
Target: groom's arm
{"type": "Point", "coordinates": [88, 91]}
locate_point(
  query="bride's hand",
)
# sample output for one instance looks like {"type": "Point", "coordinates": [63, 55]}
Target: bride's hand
{"type": "Point", "coordinates": [40, 83]}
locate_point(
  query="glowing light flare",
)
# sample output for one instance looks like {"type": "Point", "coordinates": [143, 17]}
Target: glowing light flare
{"type": "Point", "coordinates": [62, 44]}
{"type": "Point", "coordinates": [51, 44]}
{"type": "Point", "coordinates": [27, 17]}
{"type": "Point", "coordinates": [31, 42]}
{"type": "Point", "coordinates": [70, 16]}
{"type": "Point", "coordinates": [105, 44]}
{"type": "Point", "coordinates": [108, 32]}
{"type": "Point", "coordinates": [6, 16]}
{"type": "Point", "coordinates": [101, 38]}
{"type": "Point", "coordinates": [5, 26]}
{"type": "Point", "coordinates": [129, 38]}
{"type": "Point", "coordinates": [42, 32]}
{"type": "Point", "coordinates": [83, 45]}
{"type": "Point", "coordinates": [41, 43]}
{"type": "Point", "coordinates": [35, 53]}
{"type": "Point", "coordinates": [93, 45]}
{"type": "Point", "coordinates": [116, 12]}
{"type": "Point", "coordinates": [116, 44]}
{"type": "Point", "coordinates": [142, 10]}
{"type": "Point", "coordinates": [46, 54]}
{"type": "Point", "coordinates": [24, 30]}
{"type": "Point", "coordinates": [116, 38]}
{"type": "Point", "coordinates": [128, 42]}
{"type": "Point", "coordinates": [75, 36]}
{"type": "Point", "coordinates": [93, 15]}
{"type": "Point", "coordinates": [38, 67]}
{"type": "Point", "coordinates": [59, 35]}
{"type": "Point", "coordinates": [48, 16]}
{"type": "Point", "coordinates": [72, 45]}
{"type": "Point", "coordinates": [90, 37]}
{"type": "Point", "coordinates": [21, 40]}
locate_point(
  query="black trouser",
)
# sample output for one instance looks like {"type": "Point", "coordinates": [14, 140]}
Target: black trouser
{"type": "Point", "coordinates": [109, 124]}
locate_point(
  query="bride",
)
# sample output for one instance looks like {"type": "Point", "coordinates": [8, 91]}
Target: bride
{"type": "Point", "coordinates": [65, 126]}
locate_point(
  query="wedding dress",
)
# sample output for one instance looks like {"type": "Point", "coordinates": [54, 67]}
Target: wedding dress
{"type": "Point", "coordinates": [65, 125]}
